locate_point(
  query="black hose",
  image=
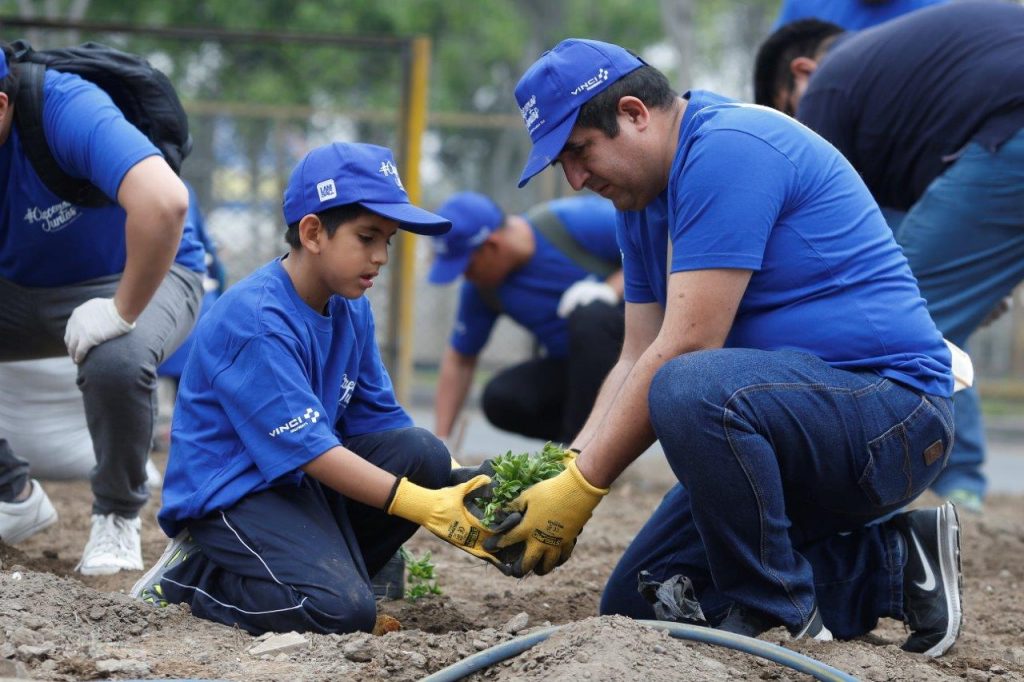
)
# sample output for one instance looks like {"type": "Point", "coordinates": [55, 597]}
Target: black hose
{"type": "Point", "coordinates": [773, 652]}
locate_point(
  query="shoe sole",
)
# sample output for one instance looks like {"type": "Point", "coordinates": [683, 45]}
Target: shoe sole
{"type": "Point", "coordinates": [25, 534]}
{"type": "Point", "coordinates": [948, 530]}
{"type": "Point", "coordinates": [148, 576]}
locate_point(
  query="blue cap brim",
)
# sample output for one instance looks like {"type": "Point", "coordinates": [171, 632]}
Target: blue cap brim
{"type": "Point", "coordinates": [547, 148]}
{"type": "Point", "coordinates": [411, 218]}
{"type": "Point", "coordinates": [447, 270]}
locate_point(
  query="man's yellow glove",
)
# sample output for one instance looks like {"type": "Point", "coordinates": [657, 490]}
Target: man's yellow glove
{"type": "Point", "coordinates": [444, 514]}
{"type": "Point", "coordinates": [554, 512]}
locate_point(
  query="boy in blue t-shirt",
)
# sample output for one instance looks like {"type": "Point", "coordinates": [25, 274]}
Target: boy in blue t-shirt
{"type": "Point", "coordinates": [294, 475]}
{"type": "Point", "coordinates": [777, 347]}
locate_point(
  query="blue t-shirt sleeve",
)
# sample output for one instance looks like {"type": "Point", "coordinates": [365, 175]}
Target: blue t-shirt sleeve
{"type": "Point", "coordinates": [88, 135]}
{"type": "Point", "coordinates": [726, 200]}
{"type": "Point", "coordinates": [266, 394]}
{"type": "Point", "coordinates": [473, 322]}
{"type": "Point", "coordinates": [637, 286]}
{"type": "Point", "coordinates": [373, 406]}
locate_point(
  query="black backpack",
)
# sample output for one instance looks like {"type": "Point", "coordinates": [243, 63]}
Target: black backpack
{"type": "Point", "coordinates": [143, 94]}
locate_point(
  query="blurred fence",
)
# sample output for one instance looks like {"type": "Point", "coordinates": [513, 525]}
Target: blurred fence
{"type": "Point", "coordinates": [258, 102]}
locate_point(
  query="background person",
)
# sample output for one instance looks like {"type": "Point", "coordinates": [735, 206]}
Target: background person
{"type": "Point", "coordinates": [556, 271]}
{"type": "Point", "coordinates": [776, 346]}
{"type": "Point", "coordinates": [852, 15]}
{"type": "Point", "coordinates": [116, 287]}
{"type": "Point", "coordinates": [929, 108]}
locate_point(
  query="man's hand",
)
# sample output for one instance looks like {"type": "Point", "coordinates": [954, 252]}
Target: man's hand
{"type": "Point", "coordinates": [554, 513]}
{"type": "Point", "coordinates": [584, 292]}
{"type": "Point", "coordinates": [461, 474]}
{"type": "Point", "coordinates": [444, 514]}
{"type": "Point", "coordinates": [92, 323]}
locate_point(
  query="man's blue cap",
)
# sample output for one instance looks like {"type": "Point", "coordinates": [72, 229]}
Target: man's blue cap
{"type": "Point", "coordinates": [474, 217]}
{"type": "Point", "coordinates": [353, 173]}
{"type": "Point", "coordinates": [3, 65]}
{"type": "Point", "coordinates": [554, 88]}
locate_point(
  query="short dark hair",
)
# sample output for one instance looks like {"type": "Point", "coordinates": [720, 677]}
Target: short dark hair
{"type": "Point", "coordinates": [9, 83]}
{"type": "Point", "coordinates": [331, 219]}
{"type": "Point", "coordinates": [801, 38]}
{"type": "Point", "coordinates": [645, 83]}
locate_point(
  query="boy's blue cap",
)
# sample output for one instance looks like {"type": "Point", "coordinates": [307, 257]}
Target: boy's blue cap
{"type": "Point", "coordinates": [474, 217]}
{"type": "Point", "coordinates": [554, 88]}
{"type": "Point", "coordinates": [354, 173]}
{"type": "Point", "coordinates": [3, 65]}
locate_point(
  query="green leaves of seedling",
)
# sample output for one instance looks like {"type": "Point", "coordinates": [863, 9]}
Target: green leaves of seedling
{"type": "Point", "coordinates": [514, 473]}
{"type": "Point", "coordinates": [420, 579]}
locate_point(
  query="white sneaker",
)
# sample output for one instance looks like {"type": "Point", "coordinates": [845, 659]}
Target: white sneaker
{"type": "Point", "coordinates": [113, 546]}
{"type": "Point", "coordinates": [21, 520]}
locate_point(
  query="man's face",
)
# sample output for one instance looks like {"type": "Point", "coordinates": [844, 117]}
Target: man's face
{"type": "Point", "coordinates": [488, 266]}
{"type": "Point", "coordinates": [617, 168]}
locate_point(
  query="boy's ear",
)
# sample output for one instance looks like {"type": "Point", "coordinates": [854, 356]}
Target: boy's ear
{"type": "Point", "coordinates": [311, 230]}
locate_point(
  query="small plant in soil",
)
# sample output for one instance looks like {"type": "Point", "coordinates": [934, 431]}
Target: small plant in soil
{"type": "Point", "coordinates": [514, 473]}
{"type": "Point", "coordinates": [421, 579]}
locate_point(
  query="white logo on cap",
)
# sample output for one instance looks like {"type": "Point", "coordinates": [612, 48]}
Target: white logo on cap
{"type": "Point", "coordinates": [601, 77]}
{"type": "Point", "coordinates": [388, 169]}
{"type": "Point", "coordinates": [530, 112]}
{"type": "Point", "coordinates": [326, 190]}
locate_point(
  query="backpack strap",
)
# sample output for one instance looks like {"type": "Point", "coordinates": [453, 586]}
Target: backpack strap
{"type": "Point", "coordinates": [28, 114]}
{"type": "Point", "coordinates": [548, 224]}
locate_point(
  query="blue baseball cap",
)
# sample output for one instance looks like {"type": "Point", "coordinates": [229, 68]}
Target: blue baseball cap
{"type": "Point", "coordinates": [474, 217]}
{"type": "Point", "coordinates": [354, 173]}
{"type": "Point", "coordinates": [3, 65]}
{"type": "Point", "coordinates": [554, 88]}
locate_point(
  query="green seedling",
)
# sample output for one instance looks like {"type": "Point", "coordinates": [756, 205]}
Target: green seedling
{"type": "Point", "coordinates": [514, 473]}
{"type": "Point", "coordinates": [421, 580]}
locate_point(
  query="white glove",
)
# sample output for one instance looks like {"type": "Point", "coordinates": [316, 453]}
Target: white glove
{"type": "Point", "coordinates": [583, 292]}
{"type": "Point", "coordinates": [963, 368]}
{"type": "Point", "coordinates": [92, 323]}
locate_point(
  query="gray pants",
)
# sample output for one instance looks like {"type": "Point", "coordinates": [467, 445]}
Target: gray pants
{"type": "Point", "coordinates": [117, 378]}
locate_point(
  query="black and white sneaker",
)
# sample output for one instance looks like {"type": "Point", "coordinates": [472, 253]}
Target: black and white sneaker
{"type": "Point", "coordinates": [749, 623]}
{"type": "Point", "coordinates": [932, 580]}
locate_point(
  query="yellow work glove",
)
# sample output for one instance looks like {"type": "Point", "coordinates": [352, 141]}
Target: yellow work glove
{"type": "Point", "coordinates": [554, 512]}
{"type": "Point", "coordinates": [443, 513]}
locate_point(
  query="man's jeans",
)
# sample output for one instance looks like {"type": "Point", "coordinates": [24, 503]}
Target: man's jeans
{"type": "Point", "coordinates": [783, 460]}
{"type": "Point", "coordinates": [117, 377]}
{"type": "Point", "coordinates": [964, 240]}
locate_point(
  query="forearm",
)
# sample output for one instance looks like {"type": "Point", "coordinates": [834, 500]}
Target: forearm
{"type": "Point", "coordinates": [346, 472]}
{"type": "Point", "coordinates": [605, 398]}
{"type": "Point", "coordinates": [155, 203]}
{"type": "Point", "coordinates": [150, 250]}
{"type": "Point", "coordinates": [453, 384]}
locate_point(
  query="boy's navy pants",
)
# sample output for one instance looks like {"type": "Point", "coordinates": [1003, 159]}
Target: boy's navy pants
{"type": "Point", "coordinates": [301, 557]}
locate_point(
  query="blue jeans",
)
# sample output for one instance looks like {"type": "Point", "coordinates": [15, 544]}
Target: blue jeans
{"type": "Point", "coordinates": [782, 461]}
{"type": "Point", "coordinates": [964, 240]}
{"type": "Point", "coordinates": [301, 557]}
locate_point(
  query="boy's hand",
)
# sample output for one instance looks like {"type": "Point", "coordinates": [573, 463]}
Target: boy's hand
{"type": "Point", "coordinates": [443, 513]}
{"type": "Point", "coordinates": [554, 513]}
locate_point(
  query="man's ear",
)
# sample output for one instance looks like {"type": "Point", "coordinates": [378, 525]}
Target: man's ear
{"type": "Point", "coordinates": [311, 231]}
{"type": "Point", "coordinates": [635, 111]}
{"type": "Point", "coordinates": [802, 68]}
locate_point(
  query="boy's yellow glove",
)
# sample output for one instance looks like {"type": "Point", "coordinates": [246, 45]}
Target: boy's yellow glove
{"type": "Point", "coordinates": [444, 514]}
{"type": "Point", "coordinates": [554, 513]}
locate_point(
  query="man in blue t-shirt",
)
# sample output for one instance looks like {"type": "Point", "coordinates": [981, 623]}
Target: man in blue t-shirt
{"type": "Point", "coordinates": [294, 474]}
{"type": "Point", "coordinates": [777, 347]}
{"type": "Point", "coordinates": [556, 271]}
{"type": "Point", "coordinates": [929, 108]}
{"type": "Point", "coordinates": [117, 287]}
{"type": "Point", "coordinates": [852, 15]}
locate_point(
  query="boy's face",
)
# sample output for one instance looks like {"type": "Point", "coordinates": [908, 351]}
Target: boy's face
{"type": "Point", "coordinates": [352, 258]}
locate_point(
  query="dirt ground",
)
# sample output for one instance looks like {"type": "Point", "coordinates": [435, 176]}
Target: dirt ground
{"type": "Point", "coordinates": [58, 625]}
